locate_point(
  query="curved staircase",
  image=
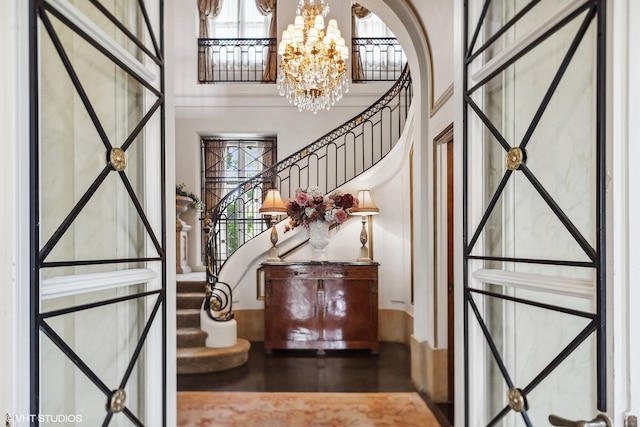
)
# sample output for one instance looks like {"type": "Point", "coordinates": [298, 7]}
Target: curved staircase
{"type": "Point", "coordinates": [193, 356]}
{"type": "Point", "coordinates": [378, 127]}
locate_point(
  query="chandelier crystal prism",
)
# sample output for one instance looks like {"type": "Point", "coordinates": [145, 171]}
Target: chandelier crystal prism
{"type": "Point", "coordinates": [313, 62]}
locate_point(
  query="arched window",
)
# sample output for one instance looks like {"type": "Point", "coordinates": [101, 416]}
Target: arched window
{"type": "Point", "coordinates": [371, 26]}
{"type": "Point", "coordinates": [377, 55]}
{"type": "Point", "coordinates": [239, 19]}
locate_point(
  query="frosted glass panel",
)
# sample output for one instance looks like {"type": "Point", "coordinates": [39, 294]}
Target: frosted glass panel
{"type": "Point", "coordinates": [129, 14]}
{"type": "Point", "coordinates": [527, 340]}
{"type": "Point", "coordinates": [499, 14]}
{"type": "Point", "coordinates": [104, 338]}
{"type": "Point", "coordinates": [75, 135]}
{"type": "Point", "coordinates": [560, 155]}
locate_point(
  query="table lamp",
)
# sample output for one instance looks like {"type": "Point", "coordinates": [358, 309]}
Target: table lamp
{"type": "Point", "coordinates": [366, 207]}
{"type": "Point", "coordinates": [273, 206]}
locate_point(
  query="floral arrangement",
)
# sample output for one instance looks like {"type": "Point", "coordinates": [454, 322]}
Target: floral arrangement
{"type": "Point", "coordinates": [197, 204]}
{"type": "Point", "coordinates": [311, 205]}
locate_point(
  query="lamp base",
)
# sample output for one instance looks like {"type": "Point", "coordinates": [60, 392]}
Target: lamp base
{"type": "Point", "coordinates": [273, 255]}
{"type": "Point", "coordinates": [364, 255]}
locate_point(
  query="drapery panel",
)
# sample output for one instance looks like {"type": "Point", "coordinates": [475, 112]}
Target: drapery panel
{"type": "Point", "coordinates": [360, 12]}
{"type": "Point", "coordinates": [208, 9]}
{"type": "Point", "coordinates": [268, 7]}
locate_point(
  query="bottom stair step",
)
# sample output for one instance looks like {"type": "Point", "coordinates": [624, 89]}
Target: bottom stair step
{"type": "Point", "coordinates": [197, 360]}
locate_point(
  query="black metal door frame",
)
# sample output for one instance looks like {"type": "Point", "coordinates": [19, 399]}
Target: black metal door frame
{"type": "Point", "coordinates": [40, 10]}
{"type": "Point", "coordinates": [595, 10]}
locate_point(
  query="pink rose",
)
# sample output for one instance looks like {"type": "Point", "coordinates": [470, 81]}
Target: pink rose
{"type": "Point", "coordinates": [340, 216]}
{"type": "Point", "coordinates": [302, 199]}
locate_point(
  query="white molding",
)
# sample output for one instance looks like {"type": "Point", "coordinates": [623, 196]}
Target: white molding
{"type": "Point", "coordinates": [20, 344]}
{"type": "Point", "coordinates": [267, 96]}
{"type": "Point", "coordinates": [554, 18]}
{"type": "Point", "coordinates": [89, 27]}
{"type": "Point", "coordinates": [62, 286]}
{"type": "Point", "coordinates": [437, 105]}
{"type": "Point", "coordinates": [538, 282]}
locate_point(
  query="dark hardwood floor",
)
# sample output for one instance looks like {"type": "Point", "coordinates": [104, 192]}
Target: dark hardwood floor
{"type": "Point", "coordinates": [341, 371]}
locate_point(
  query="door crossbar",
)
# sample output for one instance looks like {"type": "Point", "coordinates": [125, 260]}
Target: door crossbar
{"type": "Point", "coordinates": [101, 48]}
{"type": "Point", "coordinates": [48, 247]}
{"type": "Point", "coordinates": [89, 373]}
{"type": "Point", "coordinates": [532, 45]}
{"type": "Point", "coordinates": [156, 57]}
{"type": "Point", "coordinates": [546, 371]}
{"type": "Point", "coordinates": [541, 261]}
{"type": "Point", "coordinates": [476, 32]}
{"type": "Point", "coordinates": [101, 303]}
{"type": "Point", "coordinates": [496, 356]}
{"type": "Point", "coordinates": [487, 213]}
{"type": "Point", "coordinates": [564, 65]}
{"type": "Point", "coordinates": [500, 32]}
{"type": "Point", "coordinates": [557, 210]}
{"type": "Point", "coordinates": [537, 304]}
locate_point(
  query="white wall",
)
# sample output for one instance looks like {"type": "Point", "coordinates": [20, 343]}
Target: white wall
{"type": "Point", "coordinates": [436, 16]}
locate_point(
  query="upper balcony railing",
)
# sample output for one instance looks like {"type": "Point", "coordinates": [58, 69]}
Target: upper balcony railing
{"type": "Point", "coordinates": [237, 60]}
{"type": "Point", "coordinates": [255, 60]}
{"type": "Point", "coordinates": [377, 59]}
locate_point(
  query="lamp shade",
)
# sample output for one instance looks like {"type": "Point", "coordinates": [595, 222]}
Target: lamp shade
{"type": "Point", "coordinates": [366, 206]}
{"type": "Point", "coordinates": [272, 204]}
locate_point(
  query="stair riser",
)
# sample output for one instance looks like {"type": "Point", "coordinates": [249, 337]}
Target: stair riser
{"type": "Point", "coordinates": [198, 366]}
{"type": "Point", "coordinates": [193, 302]}
{"type": "Point", "coordinates": [218, 361]}
{"type": "Point", "coordinates": [188, 320]}
{"type": "Point", "coordinates": [191, 340]}
{"type": "Point", "coordinates": [187, 287]}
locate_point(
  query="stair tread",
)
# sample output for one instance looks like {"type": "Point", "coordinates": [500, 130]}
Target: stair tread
{"type": "Point", "coordinates": [190, 294]}
{"type": "Point", "coordinates": [190, 331]}
{"type": "Point", "coordinates": [187, 311]}
{"type": "Point", "coordinates": [197, 360]}
{"type": "Point", "coordinates": [185, 352]}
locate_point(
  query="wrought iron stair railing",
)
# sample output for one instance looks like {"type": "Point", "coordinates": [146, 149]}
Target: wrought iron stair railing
{"type": "Point", "coordinates": [330, 162]}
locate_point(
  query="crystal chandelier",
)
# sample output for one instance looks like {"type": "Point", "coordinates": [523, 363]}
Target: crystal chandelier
{"type": "Point", "coordinates": [313, 67]}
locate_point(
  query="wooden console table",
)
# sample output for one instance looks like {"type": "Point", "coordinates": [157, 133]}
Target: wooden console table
{"type": "Point", "coordinates": [321, 305]}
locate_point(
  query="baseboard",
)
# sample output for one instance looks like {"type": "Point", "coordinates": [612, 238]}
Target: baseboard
{"type": "Point", "coordinates": [429, 370]}
{"type": "Point", "coordinates": [395, 326]}
{"type": "Point", "coordinates": [250, 324]}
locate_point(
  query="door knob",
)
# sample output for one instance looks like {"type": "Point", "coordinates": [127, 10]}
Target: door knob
{"type": "Point", "coordinates": [600, 421]}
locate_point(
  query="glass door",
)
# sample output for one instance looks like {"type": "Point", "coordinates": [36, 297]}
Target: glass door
{"type": "Point", "coordinates": [534, 207]}
{"type": "Point", "coordinates": [98, 237]}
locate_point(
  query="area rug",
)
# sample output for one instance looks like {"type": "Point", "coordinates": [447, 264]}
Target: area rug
{"type": "Point", "coordinates": [239, 409]}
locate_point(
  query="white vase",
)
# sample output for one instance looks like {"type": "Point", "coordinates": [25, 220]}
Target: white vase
{"type": "Point", "coordinates": [319, 239]}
